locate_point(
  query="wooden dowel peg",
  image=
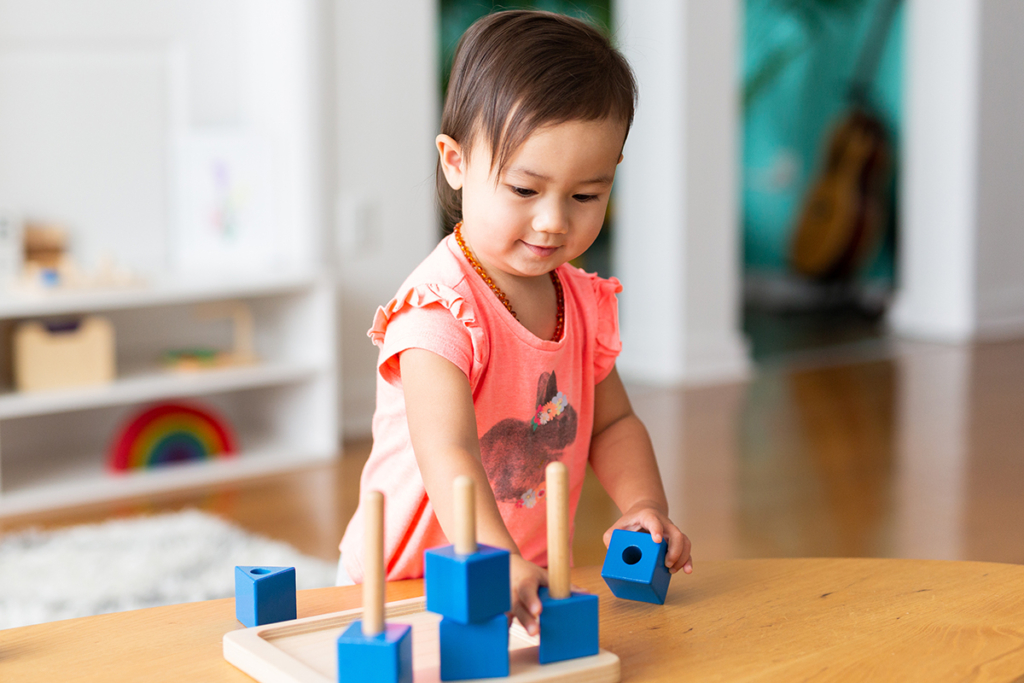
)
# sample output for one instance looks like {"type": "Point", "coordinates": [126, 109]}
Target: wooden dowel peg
{"type": "Point", "coordinates": [465, 515]}
{"type": "Point", "coordinates": [558, 530]}
{"type": "Point", "coordinates": [373, 563]}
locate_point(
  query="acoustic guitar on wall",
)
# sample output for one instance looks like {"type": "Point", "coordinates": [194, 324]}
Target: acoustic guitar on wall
{"type": "Point", "coordinates": [846, 209]}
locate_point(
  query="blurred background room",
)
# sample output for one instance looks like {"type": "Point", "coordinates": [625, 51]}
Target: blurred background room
{"type": "Point", "coordinates": [817, 224]}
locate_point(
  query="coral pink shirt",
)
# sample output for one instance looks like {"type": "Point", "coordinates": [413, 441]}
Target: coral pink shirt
{"type": "Point", "coordinates": [533, 399]}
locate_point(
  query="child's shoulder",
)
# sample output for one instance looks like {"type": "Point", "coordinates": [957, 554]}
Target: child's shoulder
{"type": "Point", "coordinates": [589, 286]}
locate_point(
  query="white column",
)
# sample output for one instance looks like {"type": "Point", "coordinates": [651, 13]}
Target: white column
{"type": "Point", "coordinates": [932, 431]}
{"type": "Point", "coordinates": [676, 245]}
{"type": "Point", "coordinates": [938, 186]}
{"type": "Point", "coordinates": [1000, 248]}
{"type": "Point", "coordinates": [386, 119]}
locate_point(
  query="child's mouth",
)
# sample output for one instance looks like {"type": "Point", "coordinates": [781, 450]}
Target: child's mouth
{"type": "Point", "coordinates": [540, 251]}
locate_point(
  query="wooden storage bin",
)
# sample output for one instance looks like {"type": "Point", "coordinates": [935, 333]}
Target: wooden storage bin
{"type": "Point", "coordinates": [55, 357]}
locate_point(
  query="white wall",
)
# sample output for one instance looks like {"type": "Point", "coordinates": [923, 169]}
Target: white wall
{"type": "Point", "coordinates": [677, 239]}
{"type": "Point", "coordinates": [386, 117]}
{"type": "Point", "coordinates": [93, 92]}
{"type": "Point", "coordinates": [961, 238]}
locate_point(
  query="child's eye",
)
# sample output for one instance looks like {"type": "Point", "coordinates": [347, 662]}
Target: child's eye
{"type": "Point", "coordinates": [523, 191]}
{"type": "Point", "coordinates": [582, 198]}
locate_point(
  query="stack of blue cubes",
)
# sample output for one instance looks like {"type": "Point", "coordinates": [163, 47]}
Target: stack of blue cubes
{"type": "Point", "coordinates": [472, 593]}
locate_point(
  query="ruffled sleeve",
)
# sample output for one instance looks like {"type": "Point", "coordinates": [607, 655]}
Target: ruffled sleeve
{"type": "Point", "coordinates": [428, 316]}
{"type": "Point", "coordinates": [607, 342]}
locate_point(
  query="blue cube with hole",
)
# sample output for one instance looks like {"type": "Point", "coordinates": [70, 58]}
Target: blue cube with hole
{"type": "Point", "coordinates": [383, 658]}
{"type": "Point", "coordinates": [467, 588]}
{"type": "Point", "coordinates": [474, 650]}
{"type": "Point", "coordinates": [264, 595]}
{"type": "Point", "coordinates": [634, 567]}
{"type": "Point", "coordinates": [568, 627]}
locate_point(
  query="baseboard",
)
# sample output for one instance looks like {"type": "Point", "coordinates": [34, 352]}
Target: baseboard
{"type": "Point", "coordinates": [1001, 313]}
{"type": "Point", "coordinates": [711, 359]}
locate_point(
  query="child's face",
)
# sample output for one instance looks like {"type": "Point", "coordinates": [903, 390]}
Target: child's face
{"type": "Point", "coordinates": [547, 206]}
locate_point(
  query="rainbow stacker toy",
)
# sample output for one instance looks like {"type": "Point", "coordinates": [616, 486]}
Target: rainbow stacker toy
{"type": "Point", "coordinates": [171, 433]}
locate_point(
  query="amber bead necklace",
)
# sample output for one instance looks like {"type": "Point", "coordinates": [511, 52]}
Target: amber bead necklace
{"type": "Point", "coordinates": [559, 295]}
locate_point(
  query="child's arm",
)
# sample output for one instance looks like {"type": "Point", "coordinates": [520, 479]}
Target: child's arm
{"type": "Point", "coordinates": [442, 427]}
{"type": "Point", "coordinates": [623, 460]}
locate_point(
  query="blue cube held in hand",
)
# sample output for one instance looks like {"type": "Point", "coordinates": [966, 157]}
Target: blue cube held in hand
{"type": "Point", "coordinates": [568, 627]}
{"type": "Point", "coordinates": [467, 588]}
{"type": "Point", "coordinates": [474, 650]}
{"type": "Point", "coordinates": [634, 567]}
{"type": "Point", "coordinates": [264, 595]}
{"type": "Point", "coordinates": [383, 658]}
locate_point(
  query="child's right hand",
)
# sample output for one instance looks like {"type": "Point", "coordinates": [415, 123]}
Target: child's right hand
{"type": "Point", "coordinates": [526, 579]}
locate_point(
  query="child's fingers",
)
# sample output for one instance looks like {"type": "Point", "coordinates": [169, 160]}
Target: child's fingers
{"type": "Point", "coordinates": [645, 520]}
{"type": "Point", "coordinates": [678, 555]}
{"type": "Point", "coordinates": [652, 523]}
{"type": "Point", "coordinates": [527, 607]}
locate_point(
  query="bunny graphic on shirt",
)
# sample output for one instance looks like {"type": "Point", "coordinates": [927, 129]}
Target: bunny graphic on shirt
{"type": "Point", "coordinates": [515, 452]}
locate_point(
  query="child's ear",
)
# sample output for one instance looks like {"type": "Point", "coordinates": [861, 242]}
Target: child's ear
{"type": "Point", "coordinates": [452, 160]}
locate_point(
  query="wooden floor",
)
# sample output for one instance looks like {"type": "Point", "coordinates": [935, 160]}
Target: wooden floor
{"type": "Point", "coordinates": [891, 450]}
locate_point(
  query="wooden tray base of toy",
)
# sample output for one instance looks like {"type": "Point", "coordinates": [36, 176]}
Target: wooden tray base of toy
{"type": "Point", "coordinates": [305, 651]}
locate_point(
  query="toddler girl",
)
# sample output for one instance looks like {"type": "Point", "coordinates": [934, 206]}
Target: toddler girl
{"type": "Point", "coordinates": [497, 356]}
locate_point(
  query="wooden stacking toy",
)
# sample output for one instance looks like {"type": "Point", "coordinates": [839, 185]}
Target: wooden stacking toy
{"type": "Point", "coordinates": [468, 585]}
{"type": "Point", "coordinates": [371, 650]}
{"type": "Point", "coordinates": [568, 621]}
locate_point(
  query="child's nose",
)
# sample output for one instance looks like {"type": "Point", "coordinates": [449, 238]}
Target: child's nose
{"type": "Point", "coordinates": [551, 219]}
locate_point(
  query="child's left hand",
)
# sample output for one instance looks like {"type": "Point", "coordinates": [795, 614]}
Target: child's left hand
{"type": "Point", "coordinates": [644, 516]}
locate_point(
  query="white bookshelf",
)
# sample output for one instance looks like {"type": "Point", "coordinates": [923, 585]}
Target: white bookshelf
{"type": "Point", "coordinates": [107, 107]}
{"type": "Point", "coordinates": [54, 444]}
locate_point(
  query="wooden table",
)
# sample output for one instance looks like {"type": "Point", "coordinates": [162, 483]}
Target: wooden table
{"type": "Point", "coordinates": [738, 620]}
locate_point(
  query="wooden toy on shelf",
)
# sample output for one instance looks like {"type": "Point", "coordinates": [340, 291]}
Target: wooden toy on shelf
{"type": "Point", "coordinates": [568, 621]}
{"type": "Point", "coordinates": [60, 355]}
{"type": "Point", "coordinates": [634, 567]}
{"type": "Point", "coordinates": [264, 595]}
{"type": "Point", "coordinates": [47, 264]}
{"type": "Point", "coordinates": [371, 649]}
{"type": "Point", "coordinates": [476, 648]}
{"type": "Point", "coordinates": [202, 358]}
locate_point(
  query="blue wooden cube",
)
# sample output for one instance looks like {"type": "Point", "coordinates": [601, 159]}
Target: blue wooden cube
{"type": "Point", "coordinates": [474, 650]}
{"type": "Point", "coordinates": [568, 627]}
{"type": "Point", "coordinates": [634, 567]}
{"type": "Point", "coordinates": [264, 595]}
{"type": "Point", "coordinates": [383, 658]}
{"type": "Point", "coordinates": [468, 588]}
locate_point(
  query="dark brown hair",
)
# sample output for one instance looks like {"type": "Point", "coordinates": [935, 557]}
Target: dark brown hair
{"type": "Point", "coordinates": [518, 70]}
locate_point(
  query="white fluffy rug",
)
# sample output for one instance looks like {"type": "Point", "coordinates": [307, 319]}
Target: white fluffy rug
{"type": "Point", "coordinates": [129, 564]}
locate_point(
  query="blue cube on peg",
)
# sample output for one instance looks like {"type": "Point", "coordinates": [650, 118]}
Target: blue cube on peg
{"type": "Point", "coordinates": [468, 588]}
{"type": "Point", "coordinates": [634, 567]}
{"type": "Point", "coordinates": [264, 595]}
{"type": "Point", "coordinates": [383, 658]}
{"type": "Point", "coordinates": [568, 627]}
{"type": "Point", "coordinates": [474, 650]}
